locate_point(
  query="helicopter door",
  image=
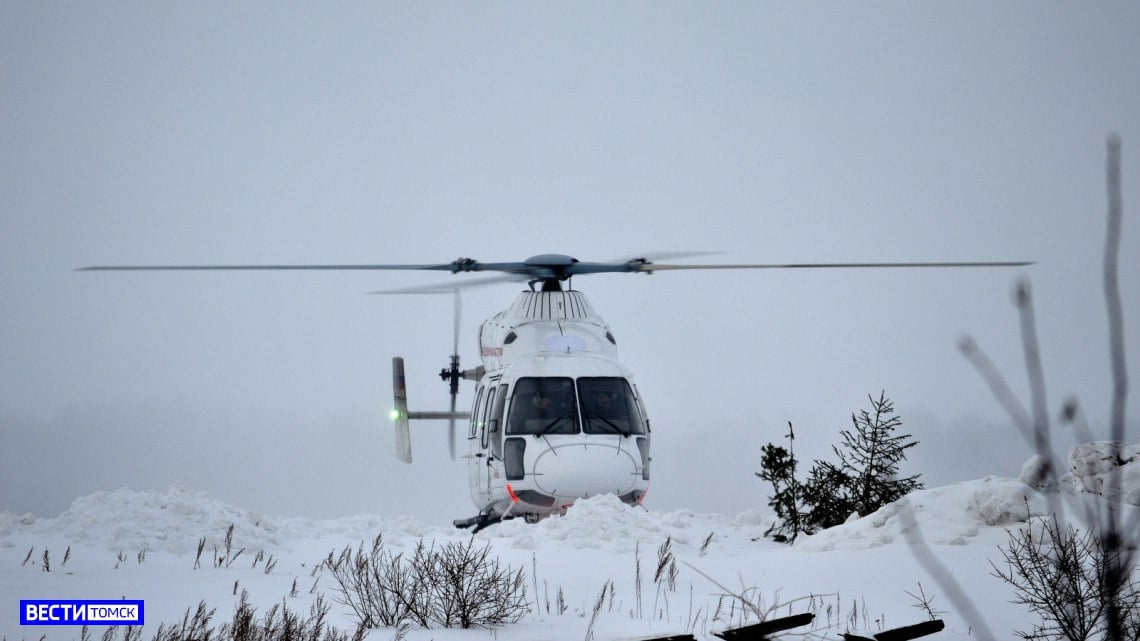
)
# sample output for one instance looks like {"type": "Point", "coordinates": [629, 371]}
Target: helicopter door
{"type": "Point", "coordinates": [493, 436]}
{"type": "Point", "coordinates": [475, 457]}
{"type": "Point", "coordinates": [484, 470]}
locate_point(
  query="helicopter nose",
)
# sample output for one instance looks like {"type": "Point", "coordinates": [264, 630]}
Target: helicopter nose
{"type": "Point", "coordinates": [582, 470]}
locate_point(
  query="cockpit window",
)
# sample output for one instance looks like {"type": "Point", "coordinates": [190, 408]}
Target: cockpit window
{"type": "Point", "coordinates": [609, 406]}
{"type": "Point", "coordinates": [542, 406]}
{"type": "Point", "coordinates": [560, 405]}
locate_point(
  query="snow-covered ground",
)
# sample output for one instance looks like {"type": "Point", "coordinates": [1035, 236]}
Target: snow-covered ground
{"type": "Point", "coordinates": [143, 545]}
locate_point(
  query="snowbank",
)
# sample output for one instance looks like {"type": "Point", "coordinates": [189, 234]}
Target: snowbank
{"type": "Point", "coordinates": [568, 558]}
{"type": "Point", "coordinates": [175, 521]}
{"type": "Point", "coordinates": [605, 522]}
{"type": "Point", "coordinates": [955, 514]}
{"type": "Point", "coordinates": [950, 515]}
{"type": "Point", "coordinates": [1106, 468]}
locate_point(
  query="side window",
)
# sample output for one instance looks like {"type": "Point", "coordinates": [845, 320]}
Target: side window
{"type": "Point", "coordinates": [486, 410]}
{"type": "Point", "coordinates": [476, 409]}
{"type": "Point", "coordinates": [495, 423]}
{"type": "Point", "coordinates": [641, 408]}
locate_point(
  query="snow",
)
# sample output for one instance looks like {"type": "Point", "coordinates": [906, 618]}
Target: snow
{"type": "Point", "coordinates": [953, 515]}
{"type": "Point", "coordinates": [143, 544]}
{"type": "Point", "coordinates": [1106, 468]}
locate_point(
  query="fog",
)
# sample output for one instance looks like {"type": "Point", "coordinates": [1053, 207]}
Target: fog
{"type": "Point", "coordinates": [422, 132]}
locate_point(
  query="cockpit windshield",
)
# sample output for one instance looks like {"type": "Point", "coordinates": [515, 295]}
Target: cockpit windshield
{"type": "Point", "coordinates": [543, 406]}
{"type": "Point", "coordinates": [561, 405]}
{"type": "Point", "coordinates": [609, 407]}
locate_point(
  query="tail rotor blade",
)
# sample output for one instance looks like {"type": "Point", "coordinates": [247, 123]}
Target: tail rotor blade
{"type": "Point", "coordinates": [455, 372]}
{"type": "Point", "coordinates": [400, 411]}
{"type": "Point", "coordinates": [451, 431]}
{"type": "Point", "coordinates": [458, 316]}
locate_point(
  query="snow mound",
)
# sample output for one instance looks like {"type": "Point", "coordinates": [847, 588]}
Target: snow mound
{"type": "Point", "coordinates": [950, 515]}
{"type": "Point", "coordinates": [1035, 473]}
{"type": "Point", "coordinates": [175, 522]}
{"type": "Point", "coordinates": [1107, 468]}
{"type": "Point", "coordinates": [604, 522]}
{"type": "Point", "coordinates": [955, 514]}
{"type": "Point", "coordinates": [133, 520]}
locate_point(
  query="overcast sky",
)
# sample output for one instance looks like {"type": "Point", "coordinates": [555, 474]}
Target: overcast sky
{"type": "Point", "coordinates": [368, 132]}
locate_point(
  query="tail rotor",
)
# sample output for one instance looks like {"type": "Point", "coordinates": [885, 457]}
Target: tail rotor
{"type": "Point", "coordinates": [451, 375]}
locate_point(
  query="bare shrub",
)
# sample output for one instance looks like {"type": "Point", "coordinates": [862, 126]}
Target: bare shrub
{"type": "Point", "coordinates": [457, 585]}
{"type": "Point", "coordinates": [282, 623]}
{"type": "Point", "coordinates": [470, 588]}
{"type": "Point", "coordinates": [378, 586]}
{"type": "Point", "coordinates": [1059, 573]}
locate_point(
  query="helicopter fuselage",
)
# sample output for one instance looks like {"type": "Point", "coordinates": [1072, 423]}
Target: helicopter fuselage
{"type": "Point", "coordinates": [556, 416]}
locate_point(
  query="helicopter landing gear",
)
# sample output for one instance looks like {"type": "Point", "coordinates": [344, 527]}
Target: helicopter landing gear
{"type": "Point", "coordinates": [478, 522]}
{"type": "Point", "coordinates": [482, 521]}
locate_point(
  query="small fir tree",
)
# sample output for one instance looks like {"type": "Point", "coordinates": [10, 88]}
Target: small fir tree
{"type": "Point", "coordinates": [828, 491]}
{"type": "Point", "coordinates": [778, 467]}
{"type": "Point", "coordinates": [870, 457]}
{"type": "Point", "coordinates": [864, 479]}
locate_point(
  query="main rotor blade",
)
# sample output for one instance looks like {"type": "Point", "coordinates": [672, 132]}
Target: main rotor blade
{"type": "Point", "coordinates": [546, 267]}
{"type": "Point", "coordinates": [651, 256]}
{"type": "Point", "coordinates": [446, 288]}
{"type": "Point", "coordinates": [121, 268]}
{"type": "Point", "coordinates": [652, 267]}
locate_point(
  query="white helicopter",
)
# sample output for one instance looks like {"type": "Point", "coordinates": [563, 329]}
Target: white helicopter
{"type": "Point", "coordinates": [556, 416]}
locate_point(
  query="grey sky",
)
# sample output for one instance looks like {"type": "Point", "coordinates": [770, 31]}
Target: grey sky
{"type": "Point", "coordinates": [421, 132]}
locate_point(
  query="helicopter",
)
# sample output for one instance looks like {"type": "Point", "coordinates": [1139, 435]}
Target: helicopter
{"type": "Point", "coordinates": [556, 417]}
